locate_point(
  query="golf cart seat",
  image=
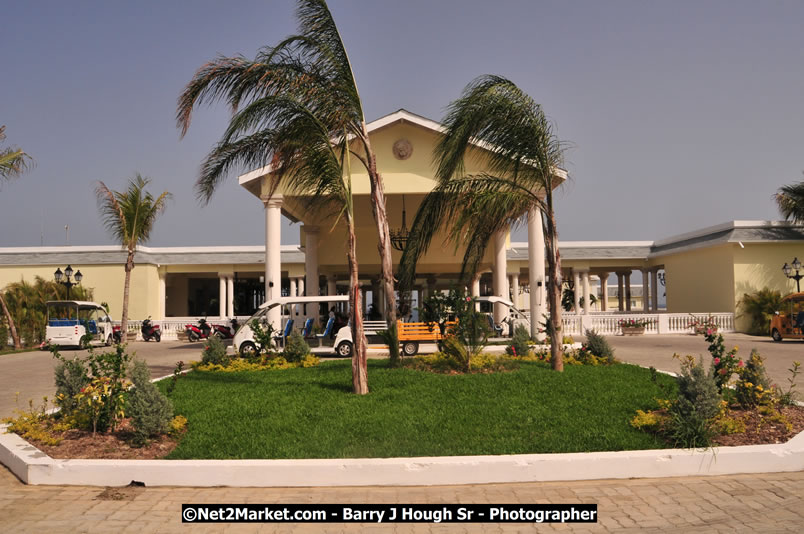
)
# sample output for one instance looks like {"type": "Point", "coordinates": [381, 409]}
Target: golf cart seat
{"type": "Point", "coordinates": [285, 332]}
{"type": "Point", "coordinates": [327, 332]}
{"type": "Point", "coordinates": [308, 327]}
{"type": "Point", "coordinates": [494, 328]}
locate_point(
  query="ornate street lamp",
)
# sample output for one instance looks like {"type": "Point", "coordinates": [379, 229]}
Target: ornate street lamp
{"type": "Point", "coordinates": [788, 269]}
{"type": "Point", "coordinates": [68, 283]}
{"type": "Point", "coordinates": [399, 238]}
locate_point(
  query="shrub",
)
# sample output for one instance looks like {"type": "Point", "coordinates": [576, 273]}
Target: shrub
{"type": "Point", "coordinates": [151, 411]}
{"type": "Point", "coordinates": [760, 307]}
{"type": "Point", "coordinates": [296, 348]}
{"type": "Point", "coordinates": [599, 346]}
{"type": "Point", "coordinates": [725, 363]}
{"type": "Point", "coordinates": [263, 337]}
{"type": "Point", "coordinates": [692, 414]}
{"type": "Point", "coordinates": [520, 344]}
{"type": "Point", "coordinates": [789, 397]}
{"type": "Point", "coordinates": [753, 387]}
{"type": "Point", "coordinates": [215, 352]}
{"type": "Point", "coordinates": [71, 376]}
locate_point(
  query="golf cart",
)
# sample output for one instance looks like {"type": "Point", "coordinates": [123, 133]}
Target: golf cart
{"type": "Point", "coordinates": [245, 344]}
{"type": "Point", "coordinates": [788, 322]}
{"type": "Point", "coordinates": [77, 323]}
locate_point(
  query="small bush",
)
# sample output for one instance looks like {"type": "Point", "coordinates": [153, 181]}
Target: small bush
{"type": "Point", "coordinates": [296, 348]}
{"type": "Point", "coordinates": [692, 414]}
{"type": "Point", "coordinates": [150, 410]}
{"type": "Point", "coordinates": [215, 352]}
{"type": "Point", "coordinates": [71, 376]}
{"type": "Point", "coordinates": [263, 334]}
{"type": "Point", "coordinates": [520, 344]}
{"type": "Point", "coordinates": [753, 387]}
{"type": "Point", "coordinates": [599, 346]}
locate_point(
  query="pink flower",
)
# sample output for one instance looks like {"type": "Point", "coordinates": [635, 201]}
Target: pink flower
{"type": "Point", "coordinates": [740, 363]}
{"type": "Point", "coordinates": [717, 361]}
{"type": "Point", "coordinates": [722, 371]}
{"type": "Point", "coordinates": [708, 331]}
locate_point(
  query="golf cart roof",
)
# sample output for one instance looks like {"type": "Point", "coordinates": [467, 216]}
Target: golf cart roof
{"type": "Point", "coordinates": [304, 300]}
{"type": "Point", "coordinates": [496, 300]}
{"type": "Point", "coordinates": [85, 304]}
{"type": "Point", "coordinates": [794, 296]}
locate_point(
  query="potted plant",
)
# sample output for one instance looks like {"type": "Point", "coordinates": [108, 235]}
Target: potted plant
{"type": "Point", "coordinates": [701, 325]}
{"type": "Point", "coordinates": [633, 327]}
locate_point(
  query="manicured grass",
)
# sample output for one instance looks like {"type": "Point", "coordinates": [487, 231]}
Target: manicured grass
{"type": "Point", "coordinates": [310, 413]}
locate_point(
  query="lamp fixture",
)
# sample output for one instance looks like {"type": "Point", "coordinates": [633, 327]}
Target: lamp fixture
{"type": "Point", "coordinates": [788, 270]}
{"type": "Point", "coordinates": [66, 278]}
{"type": "Point", "coordinates": [399, 238]}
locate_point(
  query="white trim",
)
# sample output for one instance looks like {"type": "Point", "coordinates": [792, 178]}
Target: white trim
{"type": "Point", "coordinates": [149, 250]}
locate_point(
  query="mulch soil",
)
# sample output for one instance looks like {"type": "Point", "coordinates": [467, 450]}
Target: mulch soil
{"type": "Point", "coordinates": [761, 429]}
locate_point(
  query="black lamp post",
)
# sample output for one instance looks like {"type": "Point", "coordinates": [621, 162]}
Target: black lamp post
{"type": "Point", "coordinates": [788, 269]}
{"type": "Point", "coordinates": [68, 283]}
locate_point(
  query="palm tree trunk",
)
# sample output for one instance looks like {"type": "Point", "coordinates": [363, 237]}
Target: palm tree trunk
{"type": "Point", "coordinates": [381, 219]}
{"type": "Point", "coordinates": [554, 292]}
{"type": "Point", "coordinates": [126, 287]}
{"type": "Point", "coordinates": [359, 348]}
{"type": "Point", "coordinates": [11, 325]}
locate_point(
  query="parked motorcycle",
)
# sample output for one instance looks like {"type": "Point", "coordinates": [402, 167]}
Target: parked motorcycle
{"type": "Point", "coordinates": [150, 331]}
{"type": "Point", "coordinates": [117, 334]}
{"type": "Point", "coordinates": [225, 332]}
{"type": "Point", "coordinates": [200, 331]}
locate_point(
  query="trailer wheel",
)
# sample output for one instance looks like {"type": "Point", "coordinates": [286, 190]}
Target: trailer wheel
{"type": "Point", "coordinates": [410, 348]}
{"type": "Point", "coordinates": [776, 335]}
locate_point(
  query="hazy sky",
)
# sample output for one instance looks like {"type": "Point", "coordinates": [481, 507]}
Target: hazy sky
{"type": "Point", "coordinates": [681, 114]}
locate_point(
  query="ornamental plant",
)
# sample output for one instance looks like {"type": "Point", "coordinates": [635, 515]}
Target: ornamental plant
{"type": "Point", "coordinates": [520, 344]}
{"type": "Point", "coordinates": [725, 363]}
{"type": "Point", "coordinates": [703, 325]}
{"type": "Point", "coordinates": [634, 323]}
{"type": "Point", "coordinates": [753, 387]}
{"type": "Point", "coordinates": [150, 410]}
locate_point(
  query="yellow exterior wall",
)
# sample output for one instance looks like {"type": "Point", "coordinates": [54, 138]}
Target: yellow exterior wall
{"type": "Point", "coordinates": [106, 281]}
{"type": "Point", "coordinates": [700, 280]}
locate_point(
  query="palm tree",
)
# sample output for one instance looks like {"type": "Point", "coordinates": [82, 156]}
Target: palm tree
{"type": "Point", "coordinates": [790, 199]}
{"type": "Point", "coordinates": [522, 154]}
{"type": "Point", "coordinates": [11, 325]}
{"type": "Point", "coordinates": [297, 108]}
{"type": "Point", "coordinates": [13, 161]}
{"type": "Point", "coordinates": [129, 216]}
{"type": "Point", "coordinates": [760, 306]}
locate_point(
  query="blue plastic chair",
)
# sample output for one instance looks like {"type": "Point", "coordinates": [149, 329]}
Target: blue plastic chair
{"type": "Point", "coordinates": [308, 327]}
{"type": "Point", "coordinates": [286, 332]}
{"type": "Point", "coordinates": [327, 331]}
{"type": "Point", "coordinates": [497, 329]}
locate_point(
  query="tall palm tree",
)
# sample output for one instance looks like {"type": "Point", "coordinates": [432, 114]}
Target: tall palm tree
{"type": "Point", "coordinates": [13, 161]}
{"type": "Point", "coordinates": [522, 155]}
{"type": "Point", "coordinates": [11, 325]}
{"type": "Point", "coordinates": [293, 102]}
{"type": "Point", "coordinates": [129, 216]}
{"type": "Point", "coordinates": [790, 199]}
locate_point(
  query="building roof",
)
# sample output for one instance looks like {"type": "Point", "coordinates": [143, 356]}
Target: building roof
{"type": "Point", "coordinates": [739, 232]}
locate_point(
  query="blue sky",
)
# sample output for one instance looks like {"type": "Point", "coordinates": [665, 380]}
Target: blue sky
{"type": "Point", "coordinates": [680, 114]}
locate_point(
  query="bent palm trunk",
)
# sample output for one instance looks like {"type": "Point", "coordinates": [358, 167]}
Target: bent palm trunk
{"type": "Point", "coordinates": [126, 289]}
{"type": "Point", "coordinates": [359, 360]}
{"type": "Point", "coordinates": [11, 326]}
{"type": "Point", "coordinates": [554, 294]}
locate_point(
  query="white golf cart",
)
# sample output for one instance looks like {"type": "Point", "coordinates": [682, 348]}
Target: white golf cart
{"type": "Point", "coordinates": [245, 344]}
{"type": "Point", "coordinates": [77, 323]}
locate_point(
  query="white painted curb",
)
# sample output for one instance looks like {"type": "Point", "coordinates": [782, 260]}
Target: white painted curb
{"type": "Point", "coordinates": [32, 466]}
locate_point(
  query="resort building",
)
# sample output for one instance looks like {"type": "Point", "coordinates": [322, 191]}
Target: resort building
{"type": "Point", "coordinates": [706, 271]}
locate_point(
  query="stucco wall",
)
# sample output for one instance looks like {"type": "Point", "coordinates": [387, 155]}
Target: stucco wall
{"type": "Point", "coordinates": [700, 280]}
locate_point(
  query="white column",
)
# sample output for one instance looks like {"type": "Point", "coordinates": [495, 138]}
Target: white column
{"type": "Point", "coordinates": [515, 290]}
{"type": "Point", "coordinates": [331, 285]}
{"type": "Point", "coordinates": [162, 295]}
{"type": "Point", "coordinates": [292, 287]}
{"type": "Point", "coordinates": [576, 283]}
{"type": "Point", "coordinates": [222, 296]}
{"type": "Point", "coordinates": [654, 289]}
{"type": "Point", "coordinates": [311, 260]}
{"type": "Point", "coordinates": [301, 292]}
{"type": "Point", "coordinates": [499, 275]}
{"type": "Point", "coordinates": [587, 302]}
{"type": "Point", "coordinates": [230, 311]}
{"type": "Point", "coordinates": [536, 281]}
{"type": "Point", "coordinates": [273, 261]}
{"type": "Point", "coordinates": [604, 291]}
{"type": "Point", "coordinates": [620, 291]}
{"type": "Point", "coordinates": [645, 292]}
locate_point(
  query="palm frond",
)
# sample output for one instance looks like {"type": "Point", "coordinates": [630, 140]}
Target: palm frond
{"type": "Point", "coordinates": [790, 199]}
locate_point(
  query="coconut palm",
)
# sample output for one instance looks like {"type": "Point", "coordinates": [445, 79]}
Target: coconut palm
{"type": "Point", "coordinates": [13, 161]}
{"type": "Point", "coordinates": [522, 155]}
{"type": "Point", "coordinates": [129, 216]}
{"type": "Point", "coordinates": [11, 325]}
{"type": "Point", "coordinates": [295, 102]}
{"type": "Point", "coordinates": [790, 199]}
{"type": "Point", "coordinates": [760, 306]}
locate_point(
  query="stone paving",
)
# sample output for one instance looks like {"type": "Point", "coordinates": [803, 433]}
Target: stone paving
{"type": "Point", "coordinates": [738, 503]}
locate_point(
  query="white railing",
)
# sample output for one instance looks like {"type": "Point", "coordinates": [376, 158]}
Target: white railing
{"type": "Point", "coordinates": [608, 323]}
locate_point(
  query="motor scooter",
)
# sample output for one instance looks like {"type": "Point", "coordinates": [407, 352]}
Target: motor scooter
{"type": "Point", "coordinates": [200, 331]}
{"type": "Point", "coordinates": [225, 332]}
{"type": "Point", "coordinates": [150, 331]}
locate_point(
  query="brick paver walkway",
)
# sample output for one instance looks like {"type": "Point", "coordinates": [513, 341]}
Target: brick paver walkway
{"type": "Point", "coordinates": [738, 503]}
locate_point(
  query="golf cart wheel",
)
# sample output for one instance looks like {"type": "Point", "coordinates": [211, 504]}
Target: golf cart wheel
{"type": "Point", "coordinates": [157, 336]}
{"type": "Point", "coordinates": [344, 349]}
{"type": "Point", "coordinates": [248, 349]}
{"type": "Point", "coordinates": [410, 348]}
{"type": "Point", "coordinates": [776, 335]}
{"type": "Point", "coordinates": [193, 336]}
{"type": "Point", "coordinates": [109, 341]}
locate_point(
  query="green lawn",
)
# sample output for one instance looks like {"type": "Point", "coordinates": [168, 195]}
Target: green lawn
{"type": "Point", "coordinates": [310, 413]}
